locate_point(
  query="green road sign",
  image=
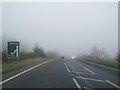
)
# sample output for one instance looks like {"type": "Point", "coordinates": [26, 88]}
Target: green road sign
{"type": "Point", "coordinates": [13, 49]}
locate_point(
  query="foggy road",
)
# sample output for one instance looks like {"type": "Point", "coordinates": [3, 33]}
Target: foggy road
{"type": "Point", "coordinates": [67, 73]}
{"type": "Point", "coordinates": [50, 30]}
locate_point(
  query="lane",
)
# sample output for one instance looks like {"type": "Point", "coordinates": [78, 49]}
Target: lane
{"type": "Point", "coordinates": [22, 72]}
{"type": "Point", "coordinates": [50, 75]}
{"type": "Point", "coordinates": [92, 76]}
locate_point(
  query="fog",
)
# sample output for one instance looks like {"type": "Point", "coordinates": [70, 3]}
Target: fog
{"type": "Point", "coordinates": [71, 29]}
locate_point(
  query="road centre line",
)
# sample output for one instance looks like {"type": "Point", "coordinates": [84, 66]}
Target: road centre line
{"type": "Point", "coordinates": [67, 68]}
{"type": "Point", "coordinates": [65, 64]}
{"type": "Point", "coordinates": [76, 83]}
{"type": "Point", "coordinates": [89, 70]}
{"type": "Point", "coordinates": [24, 72]}
{"type": "Point", "coordinates": [112, 84]}
{"type": "Point", "coordinates": [91, 79]}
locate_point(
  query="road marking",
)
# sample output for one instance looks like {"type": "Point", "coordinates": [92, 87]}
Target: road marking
{"type": "Point", "coordinates": [76, 83]}
{"type": "Point", "coordinates": [82, 73]}
{"type": "Point", "coordinates": [23, 72]}
{"type": "Point", "coordinates": [112, 84]}
{"type": "Point", "coordinates": [91, 79]}
{"type": "Point", "coordinates": [65, 64]}
{"type": "Point", "coordinates": [89, 70]}
{"type": "Point", "coordinates": [67, 68]}
{"type": "Point", "coordinates": [88, 88]}
{"type": "Point", "coordinates": [100, 65]}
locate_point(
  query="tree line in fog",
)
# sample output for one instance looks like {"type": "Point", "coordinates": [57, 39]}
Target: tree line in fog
{"type": "Point", "coordinates": [26, 52]}
{"type": "Point", "coordinates": [98, 53]}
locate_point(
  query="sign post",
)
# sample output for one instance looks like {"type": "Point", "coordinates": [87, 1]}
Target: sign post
{"type": "Point", "coordinates": [13, 50]}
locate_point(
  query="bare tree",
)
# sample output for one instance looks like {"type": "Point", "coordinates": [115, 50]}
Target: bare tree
{"type": "Point", "coordinates": [38, 52]}
{"type": "Point", "coordinates": [95, 52]}
{"type": "Point", "coordinates": [99, 53]}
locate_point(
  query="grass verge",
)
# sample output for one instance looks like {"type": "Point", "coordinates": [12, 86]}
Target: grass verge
{"type": "Point", "coordinates": [15, 65]}
{"type": "Point", "coordinates": [114, 64]}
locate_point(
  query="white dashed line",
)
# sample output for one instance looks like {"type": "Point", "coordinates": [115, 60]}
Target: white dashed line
{"type": "Point", "coordinates": [89, 70]}
{"type": "Point", "coordinates": [91, 79]}
{"type": "Point", "coordinates": [76, 83]}
{"type": "Point", "coordinates": [65, 64]}
{"type": "Point", "coordinates": [112, 84]}
{"type": "Point", "coordinates": [23, 72]}
{"type": "Point", "coordinates": [67, 68]}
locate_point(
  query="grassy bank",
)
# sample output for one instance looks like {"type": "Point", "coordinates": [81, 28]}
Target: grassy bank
{"type": "Point", "coordinates": [15, 65]}
{"type": "Point", "coordinates": [103, 62]}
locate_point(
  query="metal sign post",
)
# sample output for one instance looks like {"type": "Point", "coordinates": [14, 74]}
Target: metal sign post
{"type": "Point", "coordinates": [13, 50]}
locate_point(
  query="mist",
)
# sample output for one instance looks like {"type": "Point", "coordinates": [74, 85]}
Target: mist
{"type": "Point", "coordinates": [71, 29]}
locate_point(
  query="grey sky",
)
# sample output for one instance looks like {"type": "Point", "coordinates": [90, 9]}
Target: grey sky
{"type": "Point", "coordinates": [69, 28]}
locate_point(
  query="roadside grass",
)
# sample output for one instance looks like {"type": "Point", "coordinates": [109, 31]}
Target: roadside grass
{"type": "Point", "coordinates": [15, 65]}
{"type": "Point", "coordinates": [114, 64]}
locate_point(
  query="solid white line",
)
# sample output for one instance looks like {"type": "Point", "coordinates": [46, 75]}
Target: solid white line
{"type": "Point", "coordinates": [67, 68]}
{"type": "Point", "coordinates": [23, 72]}
{"type": "Point", "coordinates": [76, 83]}
{"type": "Point", "coordinates": [91, 79]}
{"type": "Point", "coordinates": [112, 84]}
{"type": "Point", "coordinates": [89, 70]}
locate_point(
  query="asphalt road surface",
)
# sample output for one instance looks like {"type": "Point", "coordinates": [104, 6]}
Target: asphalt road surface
{"type": "Point", "coordinates": [66, 73]}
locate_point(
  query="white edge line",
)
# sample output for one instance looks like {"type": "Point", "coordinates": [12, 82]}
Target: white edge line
{"type": "Point", "coordinates": [23, 72]}
{"type": "Point", "coordinates": [91, 79]}
{"type": "Point", "coordinates": [112, 84]}
{"type": "Point", "coordinates": [76, 83]}
{"type": "Point", "coordinates": [89, 70]}
{"type": "Point", "coordinates": [67, 69]}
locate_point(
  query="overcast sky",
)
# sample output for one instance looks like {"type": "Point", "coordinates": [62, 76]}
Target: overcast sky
{"type": "Point", "coordinates": [69, 28]}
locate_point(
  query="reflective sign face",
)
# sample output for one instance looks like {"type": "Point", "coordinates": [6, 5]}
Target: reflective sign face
{"type": "Point", "coordinates": [13, 49]}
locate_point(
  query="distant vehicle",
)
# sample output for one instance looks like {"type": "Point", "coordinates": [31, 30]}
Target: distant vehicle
{"type": "Point", "coordinates": [73, 57]}
{"type": "Point", "coordinates": [62, 57]}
